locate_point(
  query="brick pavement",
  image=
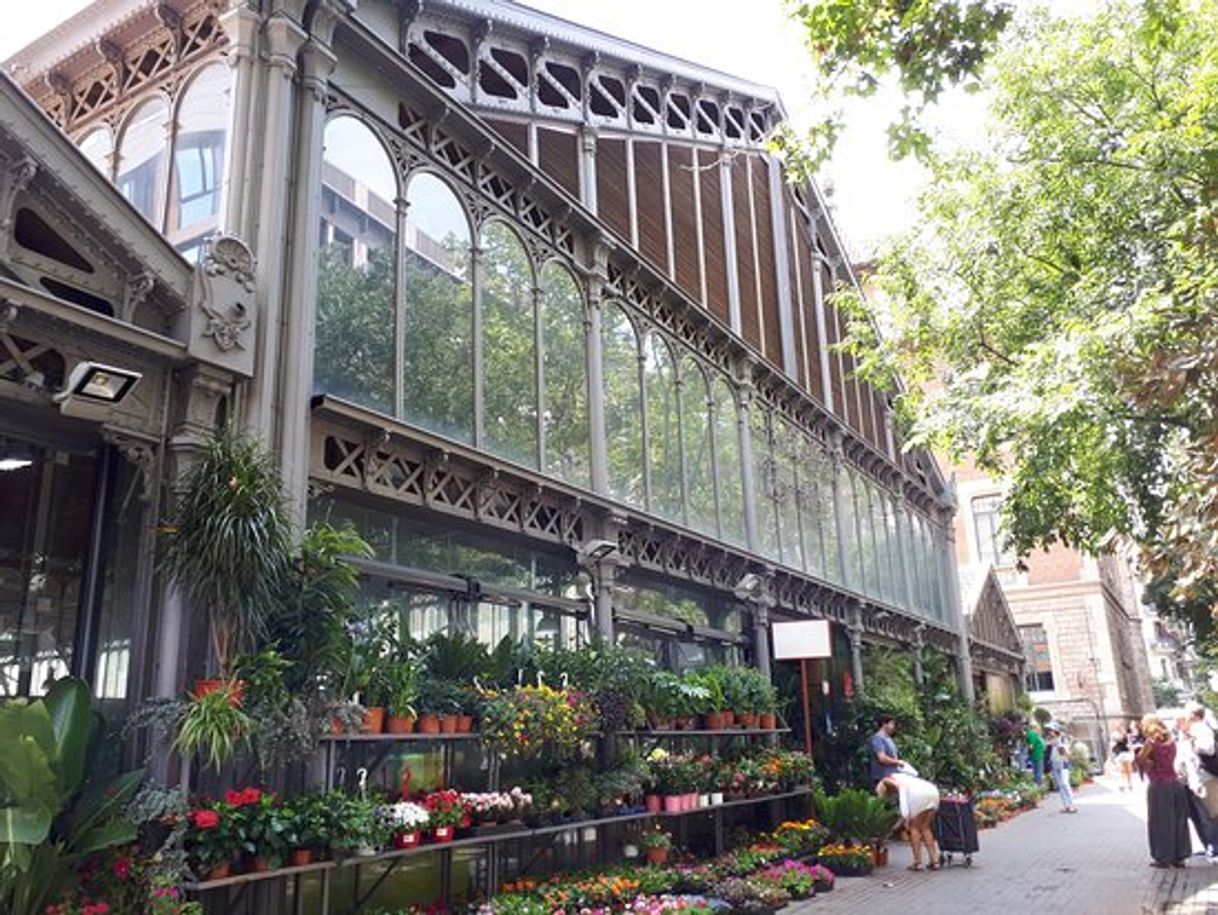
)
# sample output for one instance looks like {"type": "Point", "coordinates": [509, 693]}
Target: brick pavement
{"type": "Point", "coordinates": [1043, 862]}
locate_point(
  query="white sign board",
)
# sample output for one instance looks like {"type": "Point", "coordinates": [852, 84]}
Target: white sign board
{"type": "Point", "coordinates": [804, 639]}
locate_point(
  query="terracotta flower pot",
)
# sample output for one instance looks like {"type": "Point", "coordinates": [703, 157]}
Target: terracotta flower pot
{"type": "Point", "coordinates": [429, 724]}
{"type": "Point", "coordinates": [374, 719]}
{"type": "Point", "coordinates": [257, 866]}
{"type": "Point", "coordinates": [220, 871]}
{"type": "Point", "coordinates": [769, 721]}
{"type": "Point", "coordinates": [713, 721]}
{"type": "Point", "coordinates": [406, 839]}
{"type": "Point", "coordinates": [674, 803]}
{"type": "Point", "coordinates": [747, 719]}
{"type": "Point", "coordinates": [879, 855]}
{"type": "Point", "coordinates": [654, 803]}
{"type": "Point", "coordinates": [465, 724]}
{"type": "Point", "coordinates": [657, 855]}
{"type": "Point", "coordinates": [204, 687]}
{"type": "Point", "coordinates": [442, 834]}
{"type": "Point", "coordinates": [401, 724]}
{"type": "Point", "coordinates": [448, 724]}
{"type": "Point", "coordinates": [729, 719]}
{"type": "Point", "coordinates": [299, 857]}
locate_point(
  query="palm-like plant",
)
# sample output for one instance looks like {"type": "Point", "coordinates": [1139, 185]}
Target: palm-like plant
{"type": "Point", "coordinates": [232, 541]}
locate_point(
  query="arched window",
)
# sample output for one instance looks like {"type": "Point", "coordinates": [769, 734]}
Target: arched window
{"type": "Point", "coordinates": [786, 492]}
{"type": "Point", "coordinates": [564, 370]}
{"type": "Point", "coordinates": [438, 369]}
{"type": "Point", "coordinates": [763, 482]}
{"type": "Point", "coordinates": [729, 479]}
{"type": "Point", "coordinates": [623, 406]}
{"type": "Point", "coordinates": [199, 158]}
{"type": "Point", "coordinates": [509, 347]}
{"type": "Point", "coordinates": [696, 433]}
{"type": "Point", "coordinates": [356, 312]}
{"type": "Point", "coordinates": [663, 428]}
{"type": "Point", "coordinates": [97, 146]}
{"type": "Point", "coordinates": [141, 158]}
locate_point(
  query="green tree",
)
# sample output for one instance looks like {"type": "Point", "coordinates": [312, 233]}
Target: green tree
{"type": "Point", "coordinates": [1053, 311]}
{"type": "Point", "coordinates": [927, 46]}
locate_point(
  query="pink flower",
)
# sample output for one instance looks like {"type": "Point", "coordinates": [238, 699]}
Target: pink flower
{"type": "Point", "coordinates": [122, 868]}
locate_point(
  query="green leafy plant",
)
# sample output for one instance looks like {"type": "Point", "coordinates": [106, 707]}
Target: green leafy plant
{"type": "Point", "coordinates": [52, 815]}
{"type": "Point", "coordinates": [655, 838]}
{"type": "Point", "coordinates": [230, 545]}
{"type": "Point", "coordinates": [856, 815]}
{"type": "Point", "coordinates": [401, 678]}
{"type": "Point", "coordinates": [214, 724]}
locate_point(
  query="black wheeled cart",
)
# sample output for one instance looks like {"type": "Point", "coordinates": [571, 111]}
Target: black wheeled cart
{"type": "Point", "coordinates": [956, 830]}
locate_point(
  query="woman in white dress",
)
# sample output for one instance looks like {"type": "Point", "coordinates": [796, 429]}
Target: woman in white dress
{"type": "Point", "coordinates": [918, 800]}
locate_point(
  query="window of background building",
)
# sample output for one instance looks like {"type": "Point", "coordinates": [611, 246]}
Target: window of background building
{"type": "Point", "coordinates": [1036, 651]}
{"type": "Point", "coordinates": [986, 522]}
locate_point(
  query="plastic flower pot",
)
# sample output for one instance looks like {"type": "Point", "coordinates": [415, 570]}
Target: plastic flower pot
{"type": "Point", "coordinates": [716, 797]}
{"type": "Point", "coordinates": [220, 871]}
{"type": "Point", "coordinates": [204, 687]}
{"type": "Point", "coordinates": [406, 839]}
{"type": "Point", "coordinates": [674, 803]}
{"type": "Point", "coordinates": [465, 724]}
{"type": "Point", "coordinates": [448, 724]}
{"type": "Point", "coordinates": [691, 801]}
{"type": "Point", "coordinates": [657, 855]}
{"type": "Point", "coordinates": [299, 857]}
{"type": "Point", "coordinates": [703, 800]}
{"type": "Point", "coordinates": [401, 724]}
{"type": "Point", "coordinates": [374, 719]}
{"type": "Point", "coordinates": [654, 803]}
{"type": "Point", "coordinates": [442, 834]}
{"type": "Point", "coordinates": [429, 724]}
{"type": "Point", "coordinates": [365, 851]}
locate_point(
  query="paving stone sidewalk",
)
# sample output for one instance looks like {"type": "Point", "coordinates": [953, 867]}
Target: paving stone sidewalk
{"type": "Point", "coordinates": [1095, 861]}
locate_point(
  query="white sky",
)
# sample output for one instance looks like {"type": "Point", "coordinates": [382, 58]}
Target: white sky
{"type": "Point", "coordinates": [871, 195]}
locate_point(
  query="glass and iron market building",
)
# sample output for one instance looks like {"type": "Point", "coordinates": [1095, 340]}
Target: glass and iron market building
{"type": "Point", "coordinates": [529, 305]}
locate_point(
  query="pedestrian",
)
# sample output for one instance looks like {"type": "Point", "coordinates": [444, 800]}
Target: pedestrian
{"type": "Point", "coordinates": [883, 755]}
{"type": "Point", "coordinates": [1188, 769]}
{"type": "Point", "coordinates": [1059, 758]}
{"type": "Point", "coordinates": [1036, 753]}
{"type": "Point", "coordinates": [1122, 755]}
{"type": "Point", "coordinates": [1204, 744]}
{"type": "Point", "coordinates": [918, 800]}
{"type": "Point", "coordinates": [1166, 796]}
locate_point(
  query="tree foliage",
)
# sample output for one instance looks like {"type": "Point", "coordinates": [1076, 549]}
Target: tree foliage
{"type": "Point", "coordinates": [927, 45]}
{"type": "Point", "coordinates": [1053, 311]}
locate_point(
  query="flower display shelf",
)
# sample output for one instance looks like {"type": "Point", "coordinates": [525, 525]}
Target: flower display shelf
{"type": "Point", "coordinates": [506, 835]}
{"type": "Point", "coordinates": [722, 732]}
{"type": "Point", "coordinates": [397, 738]}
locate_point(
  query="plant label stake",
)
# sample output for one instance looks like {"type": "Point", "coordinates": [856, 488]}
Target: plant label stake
{"type": "Point", "coordinates": [363, 783]}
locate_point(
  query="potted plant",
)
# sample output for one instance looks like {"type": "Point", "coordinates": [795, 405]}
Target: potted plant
{"type": "Point", "coordinates": [751, 896]}
{"type": "Point", "coordinates": [430, 703]}
{"type": "Point", "coordinates": [304, 828]}
{"type": "Point", "coordinates": [767, 706]}
{"type": "Point", "coordinates": [211, 841]}
{"type": "Point", "coordinates": [709, 681]}
{"type": "Point", "coordinates": [402, 688]}
{"type": "Point", "coordinates": [214, 724]}
{"type": "Point", "coordinates": [230, 545]}
{"type": "Point", "coordinates": [656, 844]}
{"type": "Point", "coordinates": [662, 699]}
{"type": "Point", "coordinates": [445, 812]}
{"type": "Point", "coordinates": [362, 828]}
{"type": "Point", "coordinates": [407, 821]}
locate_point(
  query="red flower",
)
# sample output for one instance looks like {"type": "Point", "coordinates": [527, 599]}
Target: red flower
{"type": "Point", "coordinates": [232, 797]}
{"type": "Point", "coordinates": [251, 795]}
{"type": "Point", "coordinates": [97, 908]}
{"type": "Point", "coordinates": [205, 819]}
{"type": "Point", "coordinates": [122, 868]}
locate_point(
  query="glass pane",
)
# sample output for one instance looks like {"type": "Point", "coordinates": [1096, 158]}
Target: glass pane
{"type": "Point", "coordinates": [812, 481]}
{"type": "Point", "coordinates": [199, 151]}
{"type": "Point", "coordinates": [564, 368]}
{"type": "Point", "coordinates": [97, 147]}
{"type": "Point", "coordinates": [763, 483]}
{"type": "Point", "coordinates": [663, 432]}
{"type": "Point", "coordinates": [438, 376]}
{"type": "Point", "coordinates": [730, 480]}
{"type": "Point", "coordinates": [355, 346]}
{"type": "Point", "coordinates": [786, 495]}
{"type": "Point", "coordinates": [141, 158]}
{"type": "Point", "coordinates": [871, 545]}
{"type": "Point", "coordinates": [623, 410]}
{"type": "Point", "coordinates": [44, 538]}
{"type": "Point", "coordinates": [696, 429]}
{"type": "Point", "coordinates": [116, 621]}
{"type": "Point", "coordinates": [509, 347]}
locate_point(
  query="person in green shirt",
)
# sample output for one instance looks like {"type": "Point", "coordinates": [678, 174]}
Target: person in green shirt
{"type": "Point", "coordinates": [1036, 752]}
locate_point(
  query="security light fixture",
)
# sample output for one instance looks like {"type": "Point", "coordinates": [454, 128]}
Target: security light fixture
{"type": "Point", "coordinates": [93, 388]}
{"type": "Point", "coordinates": [749, 586]}
{"type": "Point", "coordinates": [595, 550]}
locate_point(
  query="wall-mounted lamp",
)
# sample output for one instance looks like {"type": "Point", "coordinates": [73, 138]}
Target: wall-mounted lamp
{"type": "Point", "coordinates": [93, 389]}
{"type": "Point", "coordinates": [749, 586]}
{"type": "Point", "coordinates": [595, 550]}
{"type": "Point", "coordinates": [15, 455]}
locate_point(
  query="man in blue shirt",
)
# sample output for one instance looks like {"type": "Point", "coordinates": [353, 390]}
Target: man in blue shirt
{"type": "Point", "coordinates": [884, 759]}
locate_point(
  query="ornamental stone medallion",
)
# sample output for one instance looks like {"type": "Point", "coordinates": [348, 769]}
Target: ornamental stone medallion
{"type": "Point", "coordinates": [223, 313]}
